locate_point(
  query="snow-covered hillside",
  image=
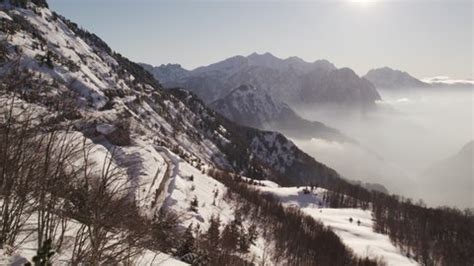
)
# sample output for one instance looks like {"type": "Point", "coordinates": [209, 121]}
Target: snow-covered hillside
{"type": "Point", "coordinates": [246, 104]}
{"type": "Point", "coordinates": [353, 226]}
{"type": "Point", "coordinates": [156, 139]}
{"type": "Point", "coordinates": [250, 106]}
{"type": "Point", "coordinates": [110, 90]}
{"type": "Point", "coordinates": [26, 249]}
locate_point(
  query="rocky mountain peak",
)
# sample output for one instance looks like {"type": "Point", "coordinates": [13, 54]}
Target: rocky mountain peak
{"type": "Point", "coordinates": [291, 80]}
{"type": "Point", "coordinates": [388, 78]}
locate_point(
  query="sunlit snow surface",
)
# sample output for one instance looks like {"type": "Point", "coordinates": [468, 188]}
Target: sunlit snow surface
{"type": "Point", "coordinates": [360, 238]}
{"type": "Point", "coordinates": [213, 201]}
{"type": "Point", "coordinates": [27, 249]}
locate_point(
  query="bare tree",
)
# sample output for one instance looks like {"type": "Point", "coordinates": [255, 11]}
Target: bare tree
{"type": "Point", "coordinates": [18, 165]}
{"type": "Point", "coordinates": [53, 185]}
{"type": "Point", "coordinates": [46, 171]}
{"type": "Point", "coordinates": [112, 229]}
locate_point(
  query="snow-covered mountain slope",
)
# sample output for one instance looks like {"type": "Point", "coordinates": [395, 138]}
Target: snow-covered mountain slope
{"type": "Point", "coordinates": [252, 107]}
{"type": "Point", "coordinates": [109, 89]}
{"type": "Point", "coordinates": [357, 234]}
{"type": "Point", "coordinates": [157, 179]}
{"type": "Point", "coordinates": [184, 184]}
{"type": "Point", "coordinates": [260, 153]}
{"type": "Point", "coordinates": [290, 80]}
{"type": "Point", "coordinates": [249, 106]}
{"type": "Point", "coordinates": [157, 138]}
{"type": "Point", "coordinates": [387, 78]}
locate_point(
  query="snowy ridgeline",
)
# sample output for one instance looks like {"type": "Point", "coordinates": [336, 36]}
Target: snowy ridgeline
{"type": "Point", "coordinates": [290, 80]}
{"type": "Point", "coordinates": [96, 76]}
{"type": "Point", "coordinates": [353, 226]}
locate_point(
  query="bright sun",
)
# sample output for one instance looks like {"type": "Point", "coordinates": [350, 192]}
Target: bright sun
{"type": "Point", "coordinates": [362, 1]}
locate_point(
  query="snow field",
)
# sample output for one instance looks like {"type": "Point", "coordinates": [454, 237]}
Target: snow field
{"type": "Point", "coordinates": [360, 238]}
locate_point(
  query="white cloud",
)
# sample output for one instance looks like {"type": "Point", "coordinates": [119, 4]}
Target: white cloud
{"type": "Point", "coordinates": [447, 80]}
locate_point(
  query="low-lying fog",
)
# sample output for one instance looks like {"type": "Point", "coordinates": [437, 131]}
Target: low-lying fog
{"type": "Point", "coordinates": [411, 133]}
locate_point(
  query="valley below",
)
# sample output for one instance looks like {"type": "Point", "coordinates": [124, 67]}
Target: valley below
{"type": "Point", "coordinates": [409, 132]}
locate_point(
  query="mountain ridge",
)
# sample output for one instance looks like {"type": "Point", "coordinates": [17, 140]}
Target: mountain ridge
{"type": "Point", "coordinates": [291, 80]}
{"type": "Point", "coordinates": [388, 78]}
{"type": "Point", "coordinates": [252, 107]}
{"type": "Point", "coordinates": [109, 85]}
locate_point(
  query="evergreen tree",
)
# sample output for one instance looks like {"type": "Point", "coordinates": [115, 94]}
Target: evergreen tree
{"type": "Point", "coordinates": [187, 247]}
{"type": "Point", "coordinates": [212, 236]}
{"type": "Point", "coordinates": [44, 254]}
{"type": "Point", "coordinates": [244, 241]}
{"type": "Point", "coordinates": [230, 237]}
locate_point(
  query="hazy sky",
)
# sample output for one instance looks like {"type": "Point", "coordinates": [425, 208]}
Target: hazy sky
{"type": "Point", "coordinates": [425, 38]}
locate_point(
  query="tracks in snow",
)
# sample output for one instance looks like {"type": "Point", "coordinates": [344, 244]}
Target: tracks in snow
{"type": "Point", "coordinates": [171, 172]}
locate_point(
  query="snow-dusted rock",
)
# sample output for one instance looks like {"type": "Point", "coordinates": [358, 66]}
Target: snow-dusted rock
{"type": "Point", "coordinates": [250, 106]}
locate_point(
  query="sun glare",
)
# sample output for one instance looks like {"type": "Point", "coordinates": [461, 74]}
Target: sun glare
{"type": "Point", "coordinates": [364, 2]}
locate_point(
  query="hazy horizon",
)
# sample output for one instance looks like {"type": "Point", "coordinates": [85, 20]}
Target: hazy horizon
{"type": "Point", "coordinates": [424, 38]}
{"type": "Point", "coordinates": [410, 132]}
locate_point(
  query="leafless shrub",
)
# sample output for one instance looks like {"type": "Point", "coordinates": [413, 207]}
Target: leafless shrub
{"type": "Point", "coordinates": [46, 172]}
{"type": "Point", "coordinates": [111, 227]}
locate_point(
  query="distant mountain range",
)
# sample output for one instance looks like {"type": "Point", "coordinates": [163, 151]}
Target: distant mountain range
{"type": "Point", "coordinates": [292, 80]}
{"type": "Point", "coordinates": [247, 105]}
{"type": "Point", "coordinates": [388, 78]}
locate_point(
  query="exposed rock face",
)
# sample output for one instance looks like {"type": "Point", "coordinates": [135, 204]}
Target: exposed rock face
{"type": "Point", "coordinates": [168, 73]}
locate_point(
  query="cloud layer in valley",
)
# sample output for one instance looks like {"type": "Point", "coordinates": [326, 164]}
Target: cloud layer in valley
{"type": "Point", "coordinates": [411, 132]}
